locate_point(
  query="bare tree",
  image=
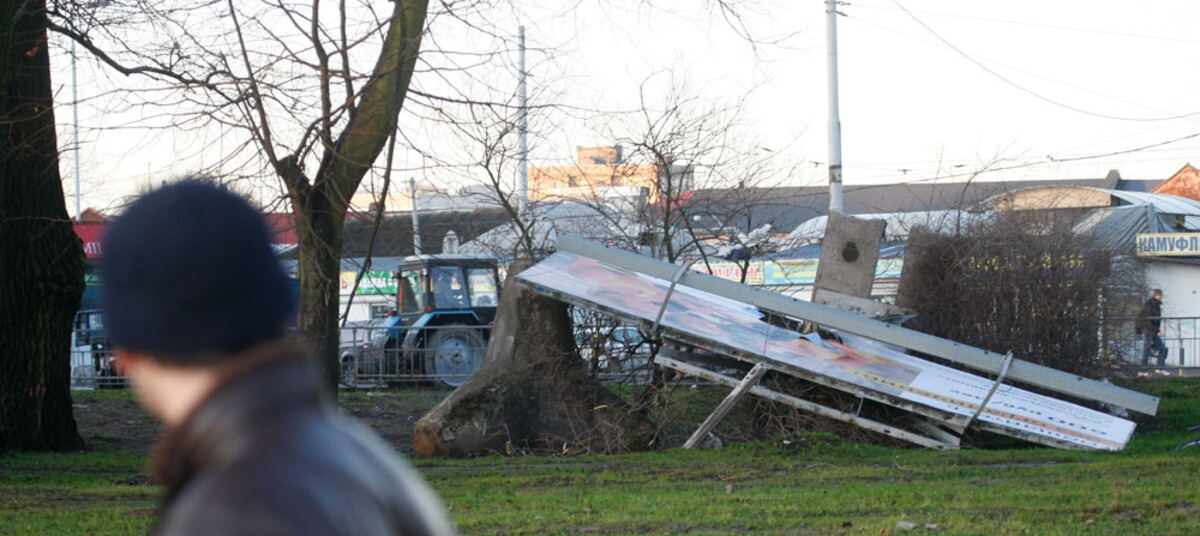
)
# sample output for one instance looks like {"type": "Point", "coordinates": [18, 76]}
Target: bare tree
{"type": "Point", "coordinates": [490, 135]}
{"type": "Point", "coordinates": [314, 88]}
{"type": "Point", "coordinates": [709, 177]}
{"type": "Point", "coordinates": [292, 80]}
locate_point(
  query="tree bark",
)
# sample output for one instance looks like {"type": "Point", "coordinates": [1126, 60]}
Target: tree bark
{"type": "Point", "coordinates": [532, 392]}
{"type": "Point", "coordinates": [41, 259]}
{"type": "Point", "coordinates": [319, 271]}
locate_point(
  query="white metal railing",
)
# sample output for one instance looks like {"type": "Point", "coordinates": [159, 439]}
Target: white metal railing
{"type": "Point", "coordinates": [1181, 334]}
{"type": "Point", "coordinates": [92, 361]}
{"type": "Point", "coordinates": [376, 356]}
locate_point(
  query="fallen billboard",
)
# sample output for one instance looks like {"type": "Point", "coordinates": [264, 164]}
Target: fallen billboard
{"type": "Point", "coordinates": [855, 364]}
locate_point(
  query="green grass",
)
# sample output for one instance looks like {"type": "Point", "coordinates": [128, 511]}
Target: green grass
{"type": "Point", "coordinates": [806, 484]}
{"type": "Point", "coordinates": [77, 493]}
{"type": "Point", "coordinates": [850, 489]}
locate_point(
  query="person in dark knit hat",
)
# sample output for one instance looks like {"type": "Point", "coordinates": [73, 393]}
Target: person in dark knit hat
{"type": "Point", "coordinates": [196, 308]}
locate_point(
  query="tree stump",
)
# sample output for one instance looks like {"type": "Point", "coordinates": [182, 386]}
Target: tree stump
{"type": "Point", "coordinates": [532, 392]}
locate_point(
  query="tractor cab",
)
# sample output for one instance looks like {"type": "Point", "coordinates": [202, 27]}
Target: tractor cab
{"type": "Point", "coordinates": [446, 286]}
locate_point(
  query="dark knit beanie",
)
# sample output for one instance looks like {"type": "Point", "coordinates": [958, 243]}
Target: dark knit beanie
{"type": "Point", "coordinates": [189, 276]}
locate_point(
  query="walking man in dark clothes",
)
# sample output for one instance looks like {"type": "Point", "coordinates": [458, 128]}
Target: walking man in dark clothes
{"type": "Point", "coordinates": [1149, 324]}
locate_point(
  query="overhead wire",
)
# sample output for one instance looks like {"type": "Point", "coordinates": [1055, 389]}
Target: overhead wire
{"type": "Point", "coordinates": [1024, 89]}
{"type": "Point", "coordinates": [883, 27]}
{"type": "Point", "coordinates": [1048, 160]}
{"type": "Point", "coordinates": [861, 4]}
{"type": "Point", "coordinates": [912, 168]}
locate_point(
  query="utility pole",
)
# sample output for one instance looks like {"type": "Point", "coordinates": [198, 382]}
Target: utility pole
{"type": "Point", "coordinates": [412, 188]}
{"type": "Point", "coordinates": [835, 123]}
{"type": "Point", "coordinates": [523, 129]}
{"type": "Point", "coordinates": [75, 136]}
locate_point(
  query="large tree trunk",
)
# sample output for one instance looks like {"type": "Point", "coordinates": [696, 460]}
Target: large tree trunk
{"type": "Point", "coordinates": [41, 259]}
{"type": "Point", "coordinates": [533, 392]}
{"type": "Point", "coordinates": [320, 265]}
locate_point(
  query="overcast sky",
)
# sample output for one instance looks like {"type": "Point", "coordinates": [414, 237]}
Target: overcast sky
{"type": "Point", "coordinates": [929, 89]}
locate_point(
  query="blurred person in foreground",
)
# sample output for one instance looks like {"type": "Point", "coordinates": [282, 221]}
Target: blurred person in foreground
{"type": "Point", "coordinates": [197, 307]}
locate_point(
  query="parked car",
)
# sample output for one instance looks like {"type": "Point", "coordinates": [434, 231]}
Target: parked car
{"type": "Point", "coordinates": [370, 350]}
{"type": "Point", "coordinates": [620, 349]}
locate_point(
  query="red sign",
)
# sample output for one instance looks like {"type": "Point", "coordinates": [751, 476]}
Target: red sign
{"type": "Point", "coordinates": [90, 233]}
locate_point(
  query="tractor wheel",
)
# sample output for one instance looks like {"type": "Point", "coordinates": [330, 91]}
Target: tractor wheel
{"type": "Point", "coordinates": [453, 353]}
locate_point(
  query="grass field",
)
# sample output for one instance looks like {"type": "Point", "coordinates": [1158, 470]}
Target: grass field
{"type": "Point", "coordinates": [805, 484]}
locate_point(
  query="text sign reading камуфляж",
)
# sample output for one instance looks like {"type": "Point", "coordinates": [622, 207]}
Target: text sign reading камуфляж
{"type": "Point", "coordinates": [1168, 245]}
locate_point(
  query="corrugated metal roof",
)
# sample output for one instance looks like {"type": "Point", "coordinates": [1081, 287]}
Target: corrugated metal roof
{"type": "Point", "coordinates": [1164, 203]}
{"type": "Point", "coordinates": [596, 223]}
{"type": "Point", "coordinates": [1116, 228]}
{"type": "Point", "coordinates": [898, 223]}
{"type": "Point", "coordinates": [786, 207]}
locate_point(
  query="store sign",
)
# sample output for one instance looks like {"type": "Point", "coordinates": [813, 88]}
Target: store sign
{"type": "Point", "coordinates": [373, 283]}
{"type": "Point", "coordinates": [792, 271]}
{"type": "Point", "coordinates": [733, 271]}
{"type": "Point", "coordinates": [90, 234]}
{"type": "Point", "coordinates": [787, 272]}
{"type": "Point", "coordinates": [1168, 244]}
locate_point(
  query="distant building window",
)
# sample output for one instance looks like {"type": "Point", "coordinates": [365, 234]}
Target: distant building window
{"type": "Point", "coordinates": [572, 181]}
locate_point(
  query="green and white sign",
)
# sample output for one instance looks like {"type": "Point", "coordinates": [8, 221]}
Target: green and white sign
{"type": "Point", "coordinates": [373, 283]}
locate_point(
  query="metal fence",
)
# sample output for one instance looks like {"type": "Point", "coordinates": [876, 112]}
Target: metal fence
{"type": "Point", "coordinates": [376, 356]}
{"type": "Point", "coordinates": [373, 356]}
{"type": "Point", "coordinates": [92, 362]}
{"type": "Point", "coordinates": [1181, 334]}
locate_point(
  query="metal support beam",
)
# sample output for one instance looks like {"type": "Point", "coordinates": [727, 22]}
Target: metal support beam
{"type": "Point", "coordinates": [933, 430]}
{"type": "Point", "coordinates": [805, 405]}
{"type": "Point", "coordinates": [975, 358]}
{"type": "Point", "coordinates": [734, 397]}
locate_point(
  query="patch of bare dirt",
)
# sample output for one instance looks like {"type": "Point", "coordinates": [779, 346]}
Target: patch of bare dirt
{"type": "Point", "coordinates": [112, 420]}
{"type": "Point", "coordinates": [392, 413]}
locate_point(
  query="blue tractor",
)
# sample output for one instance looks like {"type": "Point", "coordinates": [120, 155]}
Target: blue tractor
{"type": "Point", "coordinates": [439, 329]}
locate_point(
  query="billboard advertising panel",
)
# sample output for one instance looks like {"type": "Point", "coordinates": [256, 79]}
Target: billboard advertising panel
{"type": "Point", "coordinates": [739, 329]}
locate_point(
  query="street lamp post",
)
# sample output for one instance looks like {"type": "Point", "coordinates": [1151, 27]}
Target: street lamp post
{"type": "Point", "coordinates": [75, 130]}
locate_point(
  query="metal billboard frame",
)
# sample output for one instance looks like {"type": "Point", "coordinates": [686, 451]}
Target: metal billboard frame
{"type": "Point", "coordinates": [975, 358]}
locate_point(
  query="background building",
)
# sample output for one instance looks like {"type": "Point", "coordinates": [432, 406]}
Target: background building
{"type": "Point", "coordinates": [602, 172]}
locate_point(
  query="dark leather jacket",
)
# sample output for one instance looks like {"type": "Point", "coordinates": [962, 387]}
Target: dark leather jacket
{"type": "Point", "coordinates": [264, 454]}
{"type": "Point", "coordinates": [1150, 318]}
